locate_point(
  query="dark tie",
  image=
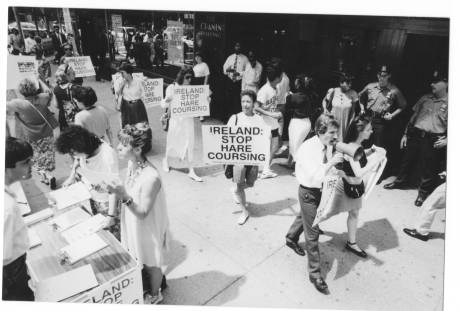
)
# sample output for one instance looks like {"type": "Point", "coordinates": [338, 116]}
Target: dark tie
{"type": "Point", "coordinates": [234, 66]}
{"type": "Point", "coordinates": [325, 155]}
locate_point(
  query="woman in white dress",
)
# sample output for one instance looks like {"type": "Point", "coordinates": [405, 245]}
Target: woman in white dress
{"type": "Point", "coordinates": [180, 140]}
{"type": "Point", "coordinates": [342, 102]}
{"type": "Point", "coordinates": [144, 219]}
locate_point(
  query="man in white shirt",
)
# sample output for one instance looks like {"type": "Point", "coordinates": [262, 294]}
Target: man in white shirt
{"type": "Point", "coordinates": [252, 73]}
{"type": "Point", "coordinates": [314, 160]}
{"type": "Point", "coordinates": [18, 166]}
{"type": "Point", "coordinates": [29, 43]}
{"type": "Point", "coordinates": [233, 68]}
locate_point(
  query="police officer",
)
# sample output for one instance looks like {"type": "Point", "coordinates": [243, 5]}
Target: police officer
{"type": "Point", "coordinates": [425, 138]}
{"type": "Point", "coordinates": [383, 101]}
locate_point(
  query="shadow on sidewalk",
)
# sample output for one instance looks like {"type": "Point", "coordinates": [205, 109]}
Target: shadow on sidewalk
{"type": "Point", "coordinates": [379, 234]}
{"type": "Point", "coordinates": [278, 208]}
{"type": "Point", "coordinates": [203, 287]}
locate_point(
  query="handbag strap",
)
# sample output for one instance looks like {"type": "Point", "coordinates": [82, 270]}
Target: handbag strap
{"type": "Point", "coordinates": [38, 111]}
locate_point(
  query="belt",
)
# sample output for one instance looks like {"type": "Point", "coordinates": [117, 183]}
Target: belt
{"type": "Point", "coordinates": [308, 188]}
{"type": "Point", "coordinates": [131, 101]}
{"type": "Point", "coordinates": [423, 134]}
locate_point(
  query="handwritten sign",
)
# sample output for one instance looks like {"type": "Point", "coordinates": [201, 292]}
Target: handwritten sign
{"type": "Point", "coordinates": [153, 92]}
{"type": "Point", "coordinates": [20, 68]}
{"type": "Point", "coordinates": [82, 66]}
{"type": "Point", "coordinates": [236, 145]}
{"type": "Point", "coordinates": [190, 101]}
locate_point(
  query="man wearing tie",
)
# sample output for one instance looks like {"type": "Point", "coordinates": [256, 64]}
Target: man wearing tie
{"type": "Point", "coordinates": [314, 160]}
{"type": "Point", "coordinates": [58, 40]}
{"type": "Point", "coordinates": [234, 67]}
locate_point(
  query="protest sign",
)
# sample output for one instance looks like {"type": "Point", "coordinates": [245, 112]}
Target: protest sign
{"type": "Point", "coordinates": [153, 92]}
{"type": "Point", "coordinates": [19, 68]}
{"type": "Point", "coordinates": [82, 66]}
{"type": "Point", "coordinates": [236, 145]}
{"type": "Point", "coordinates": [125, 289]}
{"type": "Point", "coordinates": [326, 206]}
{"type": "Point", "coordinates": [190, 101]}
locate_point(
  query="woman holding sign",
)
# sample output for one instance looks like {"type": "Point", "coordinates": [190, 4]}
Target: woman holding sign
{"type": "Point", "coordinates": [180, 140]}
{"type": "Point", "coordinates": [144, 219]}
{"type": "Point", "coordinates": [131, 92]}
{"type": "Point", "coordinates": [244, 176]}
{"type": "Point", "coordinates": [350, 188]}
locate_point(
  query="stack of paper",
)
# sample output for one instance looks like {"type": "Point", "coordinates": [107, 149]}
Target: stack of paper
{"type": "Point", "coordinates": [69, 219]}
{"type": "Point", "coordinates": [71, 195]}
{"type": "Point", "coordinates": [34, 239]}
{"type": "Point", "coordinates": [66, 285]}
{"type": "Point", "coordinates": [36, 217]}
{"type": "Point", "coordinates": [84, 229]}
{"type": "Point", "coordinates": [82, 248]}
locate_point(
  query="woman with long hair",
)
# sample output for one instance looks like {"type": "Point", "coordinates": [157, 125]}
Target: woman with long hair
{"type": "Point", "coordinates": [342, 102]}
{"type": "Point", "coordinates": [37, 124]}
{"type": "Point", "coordinates": [350, 187]}
{"type": "Point", "coordinates": [180, 140]}
{"type": "Point", "coordinates": [144, 219]}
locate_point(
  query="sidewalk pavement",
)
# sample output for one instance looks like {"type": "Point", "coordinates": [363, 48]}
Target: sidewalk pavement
{"type": "Point", "coordinates": [214, 261]}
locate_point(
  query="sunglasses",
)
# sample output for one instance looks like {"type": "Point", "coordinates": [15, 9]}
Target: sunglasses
{"type": "Point", "coordinates": [188, 77]}
{"type": "Point", "coordinates": [382, 75]}
{"type": "Point", "coordinates": [67, 49]}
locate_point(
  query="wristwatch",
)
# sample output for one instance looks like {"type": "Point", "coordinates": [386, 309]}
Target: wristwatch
{"type": "Point", "coordinates": [128, 201]}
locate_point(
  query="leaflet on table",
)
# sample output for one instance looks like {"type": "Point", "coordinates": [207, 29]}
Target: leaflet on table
{"type": "Point", "coordinates": [34, 239]}
{"type": "Point", "coordinates": [69, 219]}
{"type": "Point", "coordinates": [82, 248]}
{"type": "Point", "coordinates": [84, 229]}
{"type": "Point", "coordinates": [39, 216]}
{"type": "Point", "coordinates": [66, 285]}
{"type": "Point", "coordinates": [98, 179]}
{"type": "Point", "coordinates": [71, 195]}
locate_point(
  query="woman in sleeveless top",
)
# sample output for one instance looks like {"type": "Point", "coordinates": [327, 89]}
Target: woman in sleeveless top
{"type": "Point", "coordinates": [144, 218]}
{"type": "Point", "coordinates": [354, 175]}
{"type": "Point", "coordinates": [37, 125]}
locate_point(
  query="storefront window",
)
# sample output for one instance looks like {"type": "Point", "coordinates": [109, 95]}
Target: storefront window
{"type": "Point", "coordinates": [178, 39]}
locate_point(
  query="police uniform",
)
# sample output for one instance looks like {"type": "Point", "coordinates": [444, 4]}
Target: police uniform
{"type": "Point", "coordinates": [429, 124]}
{"type": "Point", "coordinates": [378, 101]}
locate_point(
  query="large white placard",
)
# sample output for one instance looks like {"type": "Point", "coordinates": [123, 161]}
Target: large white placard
{"type": "Point", "coordinates": [82, 66]}
{"type": "Point", "coordinates": [19, 68]}
{"type": "Point", "coordinates": [153, 92]}
{"type": "Point", "coordinates": [236, 145]}
{"type": "Point", "coordinates": [190, 101]}
{"type": "Point", "coordinates": [125, 289]}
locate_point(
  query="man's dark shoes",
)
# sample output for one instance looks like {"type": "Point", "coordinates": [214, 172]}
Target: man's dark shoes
{"type": "Point", "coordinates": [320, 285]}
{"type": "Point", "coordinates": [360, 253]}
{"type": "Point", "coordinates": [419, 201]}
{"type": "Point", "coordinates": [415, 234]}
{"type": "Point", "coordinates": [395, 185]}
{"type": "Point", "coordinates": [295, 247]}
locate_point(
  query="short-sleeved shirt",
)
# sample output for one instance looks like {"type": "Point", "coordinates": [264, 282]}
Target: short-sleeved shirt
{"type": "Point", "coordinates": [431, 114]}
{"type": "Point", "coordinates": [201, 70]}
{"type": "Point", "coordinates": [241, 119]}
{"type": "Point", "coordinates": [382, 99]}
{"type": "Point", "coordinates": [269, 100]}
{"type": "Point", "coordinates": [15, 235]}
{"type": "Point", "coordinates": [94, 120]}
{"type": "Point", "coordinates": [251, 77]}
{"type": "Point", "coordinates": [283, 88]}
{"type": "Point", "coordinates": [134, 90]}
{"type": "Point", "coordinates": [238, 62]}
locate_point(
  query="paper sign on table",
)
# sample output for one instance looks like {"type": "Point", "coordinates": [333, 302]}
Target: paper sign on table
{"type": "Point", "coordinates": [66, 285]}
{"type": "Point", "coordinates": [84, 229]}
{"type": "Point", "coordinates": [82, 66]}
{"type": "Point", "coordinates": [82, 248]}
{"type": "Point", "coordinates": [69, 219]}
{"type": "Point", "coordinates": [71, 195]}
{"type": "Point", "coordinates": [34, 239]}
{"type": "Point", "coordinates": [39, 216]}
